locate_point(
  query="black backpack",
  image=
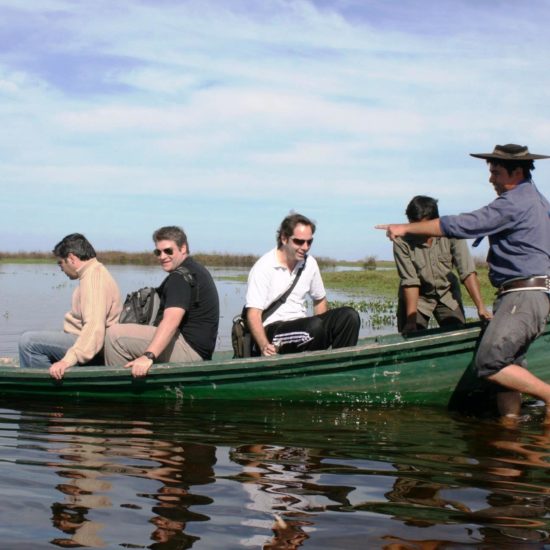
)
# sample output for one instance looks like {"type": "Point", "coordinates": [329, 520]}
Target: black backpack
{"type": "Point", "coordinates": [142, 306]}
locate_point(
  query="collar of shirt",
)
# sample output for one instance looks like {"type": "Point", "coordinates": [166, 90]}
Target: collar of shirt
{"type": "Point", "coordinates": [422, 241]}
{"type": "Point", "coordinates": [81, 270]}
{"type": "Point", "coordinates": [276, 264]}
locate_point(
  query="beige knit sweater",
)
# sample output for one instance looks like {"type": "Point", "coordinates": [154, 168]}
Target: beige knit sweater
{"type": "Point", "coordinates": [96, 305]}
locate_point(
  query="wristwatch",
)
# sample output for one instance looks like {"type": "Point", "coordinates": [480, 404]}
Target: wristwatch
{"type": "Point", "coordinates": [150, 355]}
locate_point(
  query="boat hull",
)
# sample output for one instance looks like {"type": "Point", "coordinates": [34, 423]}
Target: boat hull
{"type": "Point", "coordinates": [433, 368]}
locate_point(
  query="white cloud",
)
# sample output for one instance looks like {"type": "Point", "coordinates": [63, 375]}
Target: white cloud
{"type": "Point", "coordinates": [345, 104]}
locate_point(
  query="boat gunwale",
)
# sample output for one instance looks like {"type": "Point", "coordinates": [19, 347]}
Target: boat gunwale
{"type": "Point", "coordinates": [219, 369]}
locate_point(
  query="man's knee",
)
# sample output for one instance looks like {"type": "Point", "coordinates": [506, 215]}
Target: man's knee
{"type": "Point", "coordinates": [28, 341]}
{"type": "Point", "coordinates": [114, 332]}
{"type": "Point", "coordinates": [25, 341]}
{"type": "Point", "coordinates": [343, 328]}
{"type": "Point", "coordinates": [346, 318]}
{"type": "Point", "coordinates": [486, 368]}
{"type": "Point", "coordinates": [126, 341]}
{"type": "Point", "coordinates": [350, 315]}
{"type": "Point", "coordinates": [111, 345]}
{"type": "Point", "coordinates": [316, 327]}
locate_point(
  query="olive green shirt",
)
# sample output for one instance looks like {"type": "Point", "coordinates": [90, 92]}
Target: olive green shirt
{"type": "Point", "coordinates": [430, 267]}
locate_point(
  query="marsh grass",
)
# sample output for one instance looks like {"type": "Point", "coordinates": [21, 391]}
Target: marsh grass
{"type": "Point", "coordinates": [384, 283]}
{"type": "Point", "coordinates": [381, 312]}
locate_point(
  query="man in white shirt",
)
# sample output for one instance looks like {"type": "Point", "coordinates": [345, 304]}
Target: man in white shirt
{"type": "Point", "coordinates": [288, 329]}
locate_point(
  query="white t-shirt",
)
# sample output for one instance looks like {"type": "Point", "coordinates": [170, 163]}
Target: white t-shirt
{"type": "Point", "coordinates": [268, 279]}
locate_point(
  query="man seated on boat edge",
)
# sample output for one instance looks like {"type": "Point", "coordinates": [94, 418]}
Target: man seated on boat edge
{"type": "Point", "coordinates": [288, 329]}
{"type": "Point", "coordinates": [517, 223]}
{"type": "Point", "coordinates": [187, 323]}
{"type": "Point", "coordinates": [96, 305]}
{"type": "Point", "coordinates": [428, 286]}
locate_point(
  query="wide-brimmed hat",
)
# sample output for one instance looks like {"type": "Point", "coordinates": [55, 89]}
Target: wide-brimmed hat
{"type": "Point", "coordinates": [511, 151]}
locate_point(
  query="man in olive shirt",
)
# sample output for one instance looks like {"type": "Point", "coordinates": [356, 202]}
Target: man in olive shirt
{"type": "Point", "coordinates": [428, 286]}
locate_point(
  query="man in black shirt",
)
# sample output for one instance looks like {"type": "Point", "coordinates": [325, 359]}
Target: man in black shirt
{"type": "Point", "coordinates": [187, 324]}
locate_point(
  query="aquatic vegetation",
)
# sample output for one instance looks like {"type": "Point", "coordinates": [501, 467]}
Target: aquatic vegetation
{"type": "Point", "coordinates": [369, 263]}
{"type": "Point", "coordinates": [377, 312]}
{"type": "Point", "coordinates": [385, 282]}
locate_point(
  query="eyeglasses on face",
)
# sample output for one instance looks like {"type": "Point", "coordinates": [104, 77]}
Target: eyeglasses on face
{"type": "Point", "coordinates": [301, 242]}
{"type": "Point", "coordinates": [168, 251]}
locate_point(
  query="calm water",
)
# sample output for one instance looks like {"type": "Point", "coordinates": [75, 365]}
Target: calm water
{"type": "Point", "coordinates": [146, 475]}
{"type": "Point", "coordinates": [170, 476]}
{"type": "Point", "coordinates": [36, 297]}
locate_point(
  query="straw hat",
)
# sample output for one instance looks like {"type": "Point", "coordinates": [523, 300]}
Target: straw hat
{"type": "Point", "coordinates": [511, 151]}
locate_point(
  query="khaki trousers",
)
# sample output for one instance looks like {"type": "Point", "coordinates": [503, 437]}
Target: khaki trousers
{"type": "Point", "coordinates": [125, 342]}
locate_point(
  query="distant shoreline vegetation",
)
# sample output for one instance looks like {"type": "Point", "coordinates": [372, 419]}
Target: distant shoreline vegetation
{"type": "Point", "coordinates": [215, 259]}
{"type": "Point", "coordinates": [366, 277]}
{"type": "Point", "coordinates": [116, 257]}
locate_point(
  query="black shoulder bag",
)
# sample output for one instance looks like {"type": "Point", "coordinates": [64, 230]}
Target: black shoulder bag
{"type": "Point", "coordinates": [241, 337]}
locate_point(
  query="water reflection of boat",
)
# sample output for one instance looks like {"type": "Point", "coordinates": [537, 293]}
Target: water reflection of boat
{"type": "Point", "coordinates": [164, 474]}
{"type": "Point", "coordinates": [429, 368]}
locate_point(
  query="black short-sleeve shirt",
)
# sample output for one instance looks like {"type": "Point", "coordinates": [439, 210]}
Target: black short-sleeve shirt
{"type": "Point", "coordinates": [199, 325]}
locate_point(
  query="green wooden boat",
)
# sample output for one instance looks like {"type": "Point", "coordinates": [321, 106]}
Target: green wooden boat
{"type": "Point", "coordinates": [431, 368]}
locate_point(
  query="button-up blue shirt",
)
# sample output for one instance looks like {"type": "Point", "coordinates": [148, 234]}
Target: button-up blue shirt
{"type": "Point", "coordinates": [518, 226]}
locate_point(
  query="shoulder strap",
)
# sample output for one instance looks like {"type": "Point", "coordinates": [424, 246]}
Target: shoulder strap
{"type": "Point", "coordinates": [278, 302]}
{"type": "Point", "coordinates": [191, 279]}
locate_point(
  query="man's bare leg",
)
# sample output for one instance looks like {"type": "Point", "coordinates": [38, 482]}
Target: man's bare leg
{"type": "Point", "coordinates": [509, 403]}
{"type": "Point", "coordinates": [521, 380]}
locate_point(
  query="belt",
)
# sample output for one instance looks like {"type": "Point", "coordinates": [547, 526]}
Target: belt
{"type": "Point", "coordinates": [532, 283]}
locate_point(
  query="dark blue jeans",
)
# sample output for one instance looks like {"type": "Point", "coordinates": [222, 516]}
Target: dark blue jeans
{"type": "Point", "coordinates": [39, 349]}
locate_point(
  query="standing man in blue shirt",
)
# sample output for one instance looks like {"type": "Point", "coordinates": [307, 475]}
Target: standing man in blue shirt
{"type": "Point", "coordinates": [517, 223]}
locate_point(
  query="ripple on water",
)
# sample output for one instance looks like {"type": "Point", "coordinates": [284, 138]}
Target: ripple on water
{"type": "Point", "coordinates": [231, 476]}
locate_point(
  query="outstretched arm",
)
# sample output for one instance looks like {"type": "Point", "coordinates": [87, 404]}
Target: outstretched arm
{"type": "Point", "coordinates": [429, 228]}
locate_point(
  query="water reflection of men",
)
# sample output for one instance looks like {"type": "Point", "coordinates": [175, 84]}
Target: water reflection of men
{"type": "Point", "coordinates": [92, 466]}
{"type": "Point", "coordinates": [81, 531]}
{"type": "Point", "coordinates": [180, 467]}
{"type": "Point", "coordinates": [508, 507]}
{"type": "Point", "coordinates": [96, 305]}
{"type": "Point", "coordinates": [282, 485]}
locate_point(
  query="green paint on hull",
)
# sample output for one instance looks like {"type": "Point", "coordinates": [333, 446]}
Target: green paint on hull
{"type": "Point", "coordinates": [387, 370]}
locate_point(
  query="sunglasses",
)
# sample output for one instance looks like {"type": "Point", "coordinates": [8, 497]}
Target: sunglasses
{"type": "Point", "coordinates": [300, 242]}
{"type": "Point", "coordinates": [168, 251]}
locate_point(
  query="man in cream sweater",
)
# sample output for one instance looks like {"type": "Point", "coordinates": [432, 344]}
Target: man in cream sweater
{"type": "Point", "coordinates": [96, 305]}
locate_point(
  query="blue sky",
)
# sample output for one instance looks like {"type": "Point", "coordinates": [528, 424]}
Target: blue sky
{"type": "Point", "coordinates": [222, 116]}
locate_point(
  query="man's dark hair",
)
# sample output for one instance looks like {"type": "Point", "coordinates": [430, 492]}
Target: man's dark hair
{"type": "Point", "coordinates": [422, 207]}
{"type": "Point", "coordinates": [510, 165]}
{"type": "Point", "coordinates": [286, 229]}
{"type": "Point", "coordinates": [171, 233]}
{"type": "Point", "coordinates": [76, 244]}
